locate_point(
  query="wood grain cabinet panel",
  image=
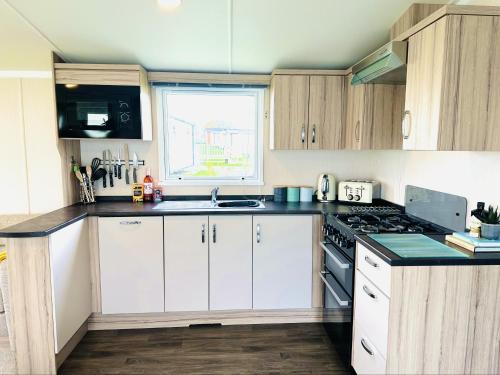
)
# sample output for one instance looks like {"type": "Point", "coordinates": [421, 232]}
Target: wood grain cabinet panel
{"type": "Point", "coordinates": [453, 85]}
{"type": "Point", "coordinates": [290, 111]}
{"type": "Point", "coordinates": [373, 116]}
{"type": "Point", "coordinates": [326, 111]}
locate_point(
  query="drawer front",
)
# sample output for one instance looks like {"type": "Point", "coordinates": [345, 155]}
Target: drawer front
{"type": "Point", "coordinates": [339, 265]}
{"type": "Point", "coordinates": [374, 268]}
{"type": "Point", "coordinates": [335, 295]}
{"type": "Point", "coordinates": [366, 359]}
{"type": "Point", "coordinates": [371, 312]}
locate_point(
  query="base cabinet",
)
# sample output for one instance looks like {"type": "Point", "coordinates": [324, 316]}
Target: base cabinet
{"type": "Point", "coordinates": [186, 263]}
{"type": "Point", "coordinates": [282, 261]}
{"type": "Point", "coordinates": [230, 262]}
{"type": "Point", "coordinates": [131, 263]}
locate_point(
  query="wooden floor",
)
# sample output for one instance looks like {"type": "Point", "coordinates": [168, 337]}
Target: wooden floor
{"type": "Point", "coordinates": [249, 349]}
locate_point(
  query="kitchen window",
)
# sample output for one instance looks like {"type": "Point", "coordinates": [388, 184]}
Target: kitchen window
{"type": "Point", "coordinates": [211, 135]}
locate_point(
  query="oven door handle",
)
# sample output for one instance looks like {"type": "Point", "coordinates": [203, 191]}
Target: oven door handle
{"type": "Point", "coordinates": [341, 302]}
{"type": "Point", "coordinates": [340, 263]}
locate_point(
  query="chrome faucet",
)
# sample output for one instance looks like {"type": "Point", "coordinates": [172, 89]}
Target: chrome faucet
{"type": "Point", "coordinates": [214, 192]}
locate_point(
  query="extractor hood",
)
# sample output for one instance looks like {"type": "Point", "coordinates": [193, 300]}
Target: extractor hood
{"type": "Point", "coordinates": [385, 65]}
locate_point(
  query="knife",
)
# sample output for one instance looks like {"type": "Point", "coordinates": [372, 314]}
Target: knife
{"type": "Point", "coordinates": [119, 162]}
{"type": "Point", "coordinates": [115, 169]}
{"type": "Point", "coordinates": [110, 169]}
{"type": "Point", "coordinates": [136, 165]}
{"type": "Point", "coordinates": [104, 166]}
{"type": "Point", "coordinates": [127, 163]}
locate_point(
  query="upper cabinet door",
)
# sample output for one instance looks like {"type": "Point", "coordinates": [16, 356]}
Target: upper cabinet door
{"type": "Point", "coordinates": [230, 262]}
{"type": "Point", "coordinates": [326, 107]}
{"type": "Point", "coordinates": [289, 112]}
{"type": "Point", "coordinates": [354, 115]}
{"type": "Point", "coordinates": [424, 79]}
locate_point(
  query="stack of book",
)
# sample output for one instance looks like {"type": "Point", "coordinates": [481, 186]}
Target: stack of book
{"type": "Point", "coordinates": [474, 244]}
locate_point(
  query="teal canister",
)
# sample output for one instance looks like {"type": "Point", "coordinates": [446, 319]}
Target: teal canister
{"type": "Point", "coordinates": [293, 194]}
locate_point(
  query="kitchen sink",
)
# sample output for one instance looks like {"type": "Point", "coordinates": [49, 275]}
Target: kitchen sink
{"type": "Point", "coordinates": [207, 205]}
{"type": "Point", "coordinates": [237, 204]}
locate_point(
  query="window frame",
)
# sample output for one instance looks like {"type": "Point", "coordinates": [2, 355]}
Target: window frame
{"type": "Point", "coordinates": [162, 116]}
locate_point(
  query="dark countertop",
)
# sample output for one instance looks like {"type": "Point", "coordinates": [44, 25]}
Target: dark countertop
{"type": "Point", "coordinates": [394, 260]}
{"type": "Point", "coordinates": [44, 225]}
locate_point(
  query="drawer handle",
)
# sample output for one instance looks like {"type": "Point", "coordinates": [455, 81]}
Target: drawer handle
{"type": "Point", "coordinates": [370, 262]}
{"type": "Point", "coordinates": [135, 222]}
{"type": "Point", "coordinates": [203, 233]}
{"type": "Point", "coordinates": [303, 134]}
{"type": "Point", "coordinates": [257, 234]}
{"type": "Point", "coordinates": [366, 347]}
{"type": "Point", "coordinates": [369, 292]}
{"type": "Point", "coordinates": [214, 233]}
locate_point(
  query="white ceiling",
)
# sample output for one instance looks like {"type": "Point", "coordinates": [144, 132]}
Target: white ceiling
{"type": "Point", "coordinates": [206, 35]}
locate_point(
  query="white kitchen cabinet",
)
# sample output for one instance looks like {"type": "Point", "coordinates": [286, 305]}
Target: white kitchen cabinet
{"type": "Point", "coordinates": [186, 263]}
{"type": "Point", "coordinates": [230, 262]}
{"type": "Point", "coordinates": [131, 262]}
{"type": "Point", "coordinates": [70, 279]}
{"type": "Point", "coordinates": [282, 261]}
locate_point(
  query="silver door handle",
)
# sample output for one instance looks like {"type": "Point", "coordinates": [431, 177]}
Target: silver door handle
{"type": "Point", "coordinates": [340, 301]}
{"type": "Point", "coordinates": [303, 134]}
{"type": "Point", "coordinates": [406, 125]}
{"type": "Point", "coordinates": [135, 222]}
{"type": "Point", "coordinates": [366, 347]}
{"type": "Point", "coordinates": [356, 130]}
{"type": "Point", "coordinates": [370, 262]}
{"type": "Point", "coordinates": [214, 233]}
{"type": "Point", "coordinates": [314, 134]}
{"type": "Point", "coordinates": [203, 233]}
{"type": "Point", "coordinates": [369, 292]}
{"type": "Point", "coordinates": [257, 230]}
{"type": "Point", "coordinates": [334, 257]}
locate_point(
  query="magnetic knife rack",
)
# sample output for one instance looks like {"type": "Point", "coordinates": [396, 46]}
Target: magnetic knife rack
{"type": "Point", "coordinates": [122, 161]}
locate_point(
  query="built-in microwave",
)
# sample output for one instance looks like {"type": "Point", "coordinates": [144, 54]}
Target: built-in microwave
{"type": "Point", "coordinates": [98, 111]}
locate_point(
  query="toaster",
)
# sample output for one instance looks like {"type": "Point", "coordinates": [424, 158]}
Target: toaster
{"type": "Point", "coordinates": [359, 191]}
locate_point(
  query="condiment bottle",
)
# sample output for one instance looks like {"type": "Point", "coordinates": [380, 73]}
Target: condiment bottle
{"type": "Point", "coordinates": [148, 187]}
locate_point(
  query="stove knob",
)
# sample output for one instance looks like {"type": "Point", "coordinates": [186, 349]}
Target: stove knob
{"type": "Point", "coordinates": [349, 197]}
{"type": "Point", "coordinates": [357, 198]}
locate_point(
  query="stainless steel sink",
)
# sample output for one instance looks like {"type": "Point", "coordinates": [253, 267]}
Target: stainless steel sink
{"type": "Point", "coordinates": [208, 205]}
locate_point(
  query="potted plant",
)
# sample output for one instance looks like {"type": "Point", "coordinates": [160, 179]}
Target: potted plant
{"type": "Point", "coordinates": [490, 226]}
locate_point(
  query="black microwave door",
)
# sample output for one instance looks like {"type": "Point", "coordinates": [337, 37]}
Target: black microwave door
{"type": "Point", "coordinates": [93, 111]}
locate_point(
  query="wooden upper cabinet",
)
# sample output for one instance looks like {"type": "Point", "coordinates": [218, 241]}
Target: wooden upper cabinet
{"type": "Point", "coordinates": [373, 116]}
{"type": "Point", "coordinates": [307, 112]}
{"type": "Point", "coordinates": [453, 85]}
{"type": "Point", "coordinates": [326, 110]}
{"type": "Point", "coordinates": [290, 111]}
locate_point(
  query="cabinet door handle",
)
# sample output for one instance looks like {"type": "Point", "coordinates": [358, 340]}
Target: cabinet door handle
{"type": "Point", "coordinates": [356, 130]}
{"type": "Point", "coordinates": [257, 234]}
{"type": "Point", "coordinates": [214, 233]}
{"type": "Point", "coordinates": [366, 347]}
{"type": "Point", "coordinates": [203, 233]}
{"type": "Point", "coordinates": [369, 292]}
{"type": "Point", "coordinates": [406, 125]}
{"type": "Point", "coordinates": [370, 262]}
{"type": "Point", "coordinates": [303, 134]}
{"type": "Point", "coordinates": [135, 222]}
{"type": "Point", "coordinates": [314, 134]}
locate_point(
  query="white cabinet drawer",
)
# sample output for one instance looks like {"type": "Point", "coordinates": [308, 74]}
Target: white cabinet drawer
{"type": "Point", "coordinates": [374, 268]}
{"type": "Point", "coordinates": [371, 312]}
{"type": "Point", "coordinates": [366, 359]}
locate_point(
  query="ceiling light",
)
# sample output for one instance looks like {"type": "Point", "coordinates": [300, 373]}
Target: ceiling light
{"type": "Point", "coordinates": [169, 4]}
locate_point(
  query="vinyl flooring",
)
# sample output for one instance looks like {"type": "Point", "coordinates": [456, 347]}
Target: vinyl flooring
{"type": "Point", "coordinates": [245, 349]}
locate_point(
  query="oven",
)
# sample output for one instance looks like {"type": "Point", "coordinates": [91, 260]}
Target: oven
{"type": "Point", "coordinates": [98, 111]}
{"type": "Point", "coordinates": [337, 275]}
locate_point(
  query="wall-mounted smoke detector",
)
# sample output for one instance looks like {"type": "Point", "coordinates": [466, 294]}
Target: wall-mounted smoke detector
{"type": "Point", "coordinates": [169, 4]}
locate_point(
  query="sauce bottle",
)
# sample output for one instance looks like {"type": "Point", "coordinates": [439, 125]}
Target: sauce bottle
{"type": "Point", "coordinates": [148, 187]}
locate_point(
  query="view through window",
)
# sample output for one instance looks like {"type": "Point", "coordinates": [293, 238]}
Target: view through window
{"type": "Point", "coordinates": [212, 134]}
